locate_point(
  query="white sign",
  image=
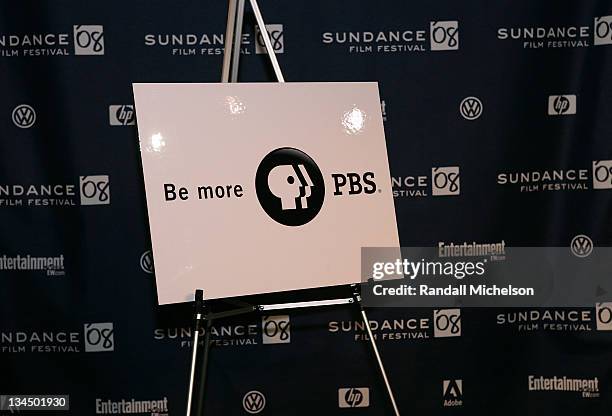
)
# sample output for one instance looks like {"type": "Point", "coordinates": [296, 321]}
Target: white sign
{"type": "Point", "coordinates": [255, 188]}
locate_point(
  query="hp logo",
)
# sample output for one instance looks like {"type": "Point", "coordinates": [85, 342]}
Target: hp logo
{"type": "Point", "coordinates": [99, 337]}
{"type": "Point", "coordinates": [561, 105]}
{"type": "Point", "coordinates": [277, 38]}
{"type": "Point", "coordinates": [470, 108]}
{"type": "Point", "coordinates": [121, 115]}
{"type": "Point", "coordinates": [581, 246]}
{"type": "Point", "coordinates": [254, 402]}
{"type": "Point", "coordinates": [353, 397]}
{"type": "Point", "coordinates": [24, 116]}
{"type": "Point", "coordinates": [447, 323]}
{"type": "Point", "coordinates": [88, 39]}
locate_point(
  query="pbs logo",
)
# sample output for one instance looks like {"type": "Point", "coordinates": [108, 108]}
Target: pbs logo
{"type": "Point", "coordinates": [289, 186]}
{"type": "Point", "coordinates": [291, 189]}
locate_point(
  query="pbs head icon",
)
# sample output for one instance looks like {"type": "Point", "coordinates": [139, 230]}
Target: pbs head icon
{"type": "Point", "coordinates": [290, 186]}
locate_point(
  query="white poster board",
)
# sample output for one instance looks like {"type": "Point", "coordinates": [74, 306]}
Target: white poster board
{"type": "Point", "coordinates": [266, 187]}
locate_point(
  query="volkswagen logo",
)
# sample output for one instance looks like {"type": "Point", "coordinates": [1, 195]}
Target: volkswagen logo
{"type": "Point", "coordinates": [146, 262]}
{"type": "Point", "coordinates": [24, 116]}
{"type": "Point", "coordinates": [581, 246]}
{"type": "Point", "coordinates": [471, 108]}
{"type": "Point", "coordinates": [254, 402]}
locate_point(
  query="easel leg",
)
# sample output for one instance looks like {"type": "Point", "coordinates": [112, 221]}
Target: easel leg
{"type": "Point", "coordinates": [237, 42]}
{"type": "Point", "coordinates": [199, 299]}
{"type": "Point", "coordinates": [229, 36]}
{"type": "Point", "coordinates": [203, 370]}
{"type": "Point", "coordinates": [364, 316]}
{"type": "Point", "coordinates": [194, 353]}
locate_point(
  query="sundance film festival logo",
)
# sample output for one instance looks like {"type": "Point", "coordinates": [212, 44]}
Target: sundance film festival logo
{"type": "Point", "coordinates": [561, 105]}
{"type": "Point", "coordinates": [603, 30]}
{"type": "Point", "coordinates": [602, 174]}
{"type": "Point", "coordinates": [560, 179]}
{"type": "Point", "coordinates": [349, 397]}
{"type": "Point", "coordinates": [273, 329]}
{"type": "Point", "coordinates": [277, 39]}
{"type": "Point", "coordinates": [558, 320]}
{"type": "Point", "coordinates": [96, 337]}
{"type": "Point", "coordinates": [213, 44]}
{"type": "Point", "coordinates": [99, 337]}
{"type": "Point", "coordinates": [85, 40]}
{"type": "Point", "coordinates": [91, 190]}
{"type": "Point", "coordinates": [221, 335]}
{"type": "Point", "coordinates": [253, 402]}
{"type": "Point", "coordinates": [561, 36]}
{"type": "Point", "coordinates": [95, 190]}
{"type": "Point", "coordinates": [88, 39]}
{"type": "Point", "coordinates": [452, 392]}
{"type": "Point", "coordinates": [23, 116]}
{"type": "Point", "coordinates": [447, 323]}
{"type": "Point", "coordinates": [442, 36]}
{"type": "Point", "coordinates": [443, 181]}
{"type": "Point", "coordinates": [603, 316]}
{"type": "Point", "coordinates": [121, 115]}
{"type": "Point", "coordinates": [276, 329]}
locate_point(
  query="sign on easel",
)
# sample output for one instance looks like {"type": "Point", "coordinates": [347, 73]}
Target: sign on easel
{"type": "Point", "coordinates": [266, 187]}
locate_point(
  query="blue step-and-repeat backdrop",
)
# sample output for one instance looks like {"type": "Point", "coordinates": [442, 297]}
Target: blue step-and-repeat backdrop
{"type": "Point", "coordinates": [499, 129]}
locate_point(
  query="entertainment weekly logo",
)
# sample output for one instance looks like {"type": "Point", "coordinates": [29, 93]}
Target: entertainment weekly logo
{"type": "Point", "coordinates": [52, 266]}
{"type": "Point", "coordinates": [443, 181]}
{"type": "Point", "coordinates": [439, 36]}
{"type": "Point", "coordinates": [558, 320]}
{"type": "Point", "coordinates": [493, 251]}
{"type": "Point", "coordinates": [580, 179]}
{"type": "Point", "coordinates": [274, 329]}
{"type": "Point", "coordinates": [562, 36]}
{"type": "Point", "coordinates": [588, 388]}
{"type": "Point", "coordinates": [95, 337]}
{"type": "Point", "coordinates": [132, 407]}
{"type": "Point", "coordinates": [89, 190]}
{"type": "Point", "coordinates": [210, 44]}
{"type": "Point", "coordinates": [82, 40]}
{"type": "Point", "coordinates": [441, 323]}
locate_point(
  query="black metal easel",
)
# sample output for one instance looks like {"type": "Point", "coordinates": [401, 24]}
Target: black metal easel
{"type": "Point", "coordinates": [202, 312]}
